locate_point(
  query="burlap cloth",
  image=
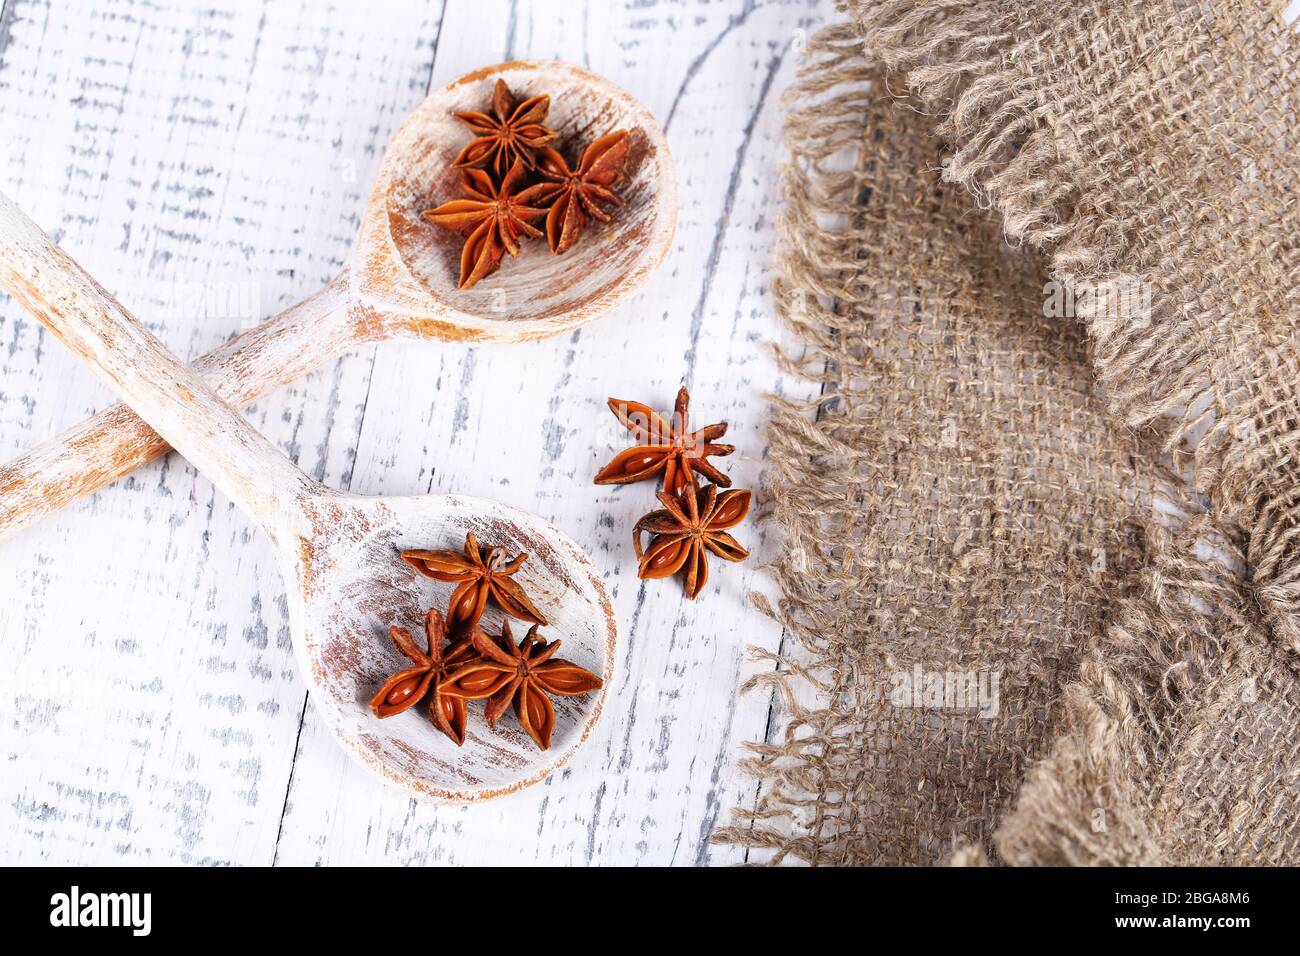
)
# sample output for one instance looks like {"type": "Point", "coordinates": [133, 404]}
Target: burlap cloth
{"type": "Point", "coordinates": [1099, 509]}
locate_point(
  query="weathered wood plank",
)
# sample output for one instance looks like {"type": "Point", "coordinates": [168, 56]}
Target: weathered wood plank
{"type": "Point", "coordinates": [151, 712]}
{"type": "Point", "coordinates": [529, 425]}
{"type": "Point", "coordinates": [211, 167]}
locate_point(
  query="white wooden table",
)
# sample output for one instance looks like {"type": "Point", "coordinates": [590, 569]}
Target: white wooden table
{"type": "Point", "coordinates": [209, 162]}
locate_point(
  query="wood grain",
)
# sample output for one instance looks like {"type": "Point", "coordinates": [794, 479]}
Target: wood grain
{"type": "Point", "coordinates": [151, 712]}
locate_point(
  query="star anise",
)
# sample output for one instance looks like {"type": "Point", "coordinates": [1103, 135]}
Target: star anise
{"type": "Point", "coordinates": [690, 526]}
{"type": "Point", "coordinates": [493, 218]}
{"type": "Point", "coordinates": [408, 687]}
{"type": "Point", "coordinates": [661, 448]}
{"type": "Point", "coordinates": [480, 574]}
{"type": "Point", "coordinates": [521, 675]}
{"type": "Point", "coordinates": [578, 193]}
{"type": "Point", "coordinates": [512, 133]}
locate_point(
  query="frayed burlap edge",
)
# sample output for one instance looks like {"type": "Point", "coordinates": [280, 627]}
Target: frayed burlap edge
{"type": "Point", "coordinates": [1139, 682]}
{"type": "Point", "coordinates": [1227, 399]}
{"type": "Point", "coordinates": [819, 222]}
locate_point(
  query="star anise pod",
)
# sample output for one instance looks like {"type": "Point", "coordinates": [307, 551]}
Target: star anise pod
{"type": "Point", "coordinates": [511, 133]}
{"type": "Point", "coordinates": [521, 675]}
{"type": "Point", "coordinates": [408, 687]}
{"type": "Point", "coordinates": [493, 218]}
{"type": "Point", "coordinates": [481, 573]}
{"type": "Point", "coordinates": [578, 193]}
{"type": "Point", "coordinates": [690, 526]}
{"type": "Point", "coordinates": [662, 448]}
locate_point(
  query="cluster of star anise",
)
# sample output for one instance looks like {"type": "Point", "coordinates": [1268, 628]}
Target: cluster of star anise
{"type": "Point", "coordinates": [463, 664]}
{"type": "Point", "coordinates": [694, 520]}
{"type": "Point", "coordinates": [512, 177]}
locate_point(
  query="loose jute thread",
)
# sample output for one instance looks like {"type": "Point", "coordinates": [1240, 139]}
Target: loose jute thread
{"type": "Point", "coordinates": [1099, 508]}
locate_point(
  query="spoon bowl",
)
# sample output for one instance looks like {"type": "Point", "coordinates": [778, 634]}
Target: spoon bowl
{"type": "Point", "coordinates": [352, 587]}
{"type": "Point", "coordinates": [407, 269]}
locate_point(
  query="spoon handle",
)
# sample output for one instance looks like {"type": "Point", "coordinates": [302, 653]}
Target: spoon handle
{"type": "Point", "coordinates": [172, 398]}
{"type": "Point", "coordinates": [116, 441]}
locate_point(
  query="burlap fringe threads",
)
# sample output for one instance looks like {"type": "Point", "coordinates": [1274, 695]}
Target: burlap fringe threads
{"type": "Point", "coordinates": [1144, 146]}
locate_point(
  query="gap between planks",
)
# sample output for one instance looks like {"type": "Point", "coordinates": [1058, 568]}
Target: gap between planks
{"type": "Point", "coordinates": [7, 8]}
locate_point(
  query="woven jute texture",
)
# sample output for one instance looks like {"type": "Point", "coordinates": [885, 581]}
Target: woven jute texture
{"type": "Point", "coordinates": [1039, 575]}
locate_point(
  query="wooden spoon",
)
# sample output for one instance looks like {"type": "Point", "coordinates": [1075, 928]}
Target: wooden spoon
{"type": "Point", "coordinates": [346, 583]}
{"type": "Point", "coordinates": [400, 282]}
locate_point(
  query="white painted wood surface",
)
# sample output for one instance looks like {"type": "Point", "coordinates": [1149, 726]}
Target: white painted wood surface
{"type": "Point", "coordinates": [210, 162]}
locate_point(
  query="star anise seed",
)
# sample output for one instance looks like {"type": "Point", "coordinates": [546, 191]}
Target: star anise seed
{"type": "Point", "coordinates": [575, 194]}
{"type": "Point", "coordinates": [521, 675]}
{"type": "Point", "coordinates": [511, 134]}
{"type": "Point", "coordinates": [480, 574]}
{"type": "Point", "coordinates": [689, 527]}
{"type": "Point", "coordinates": [493, 218]}
{"type": "Point", "coordinates": [660, 447]}
{"type": "Point", "coordinates": [408, 687]}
